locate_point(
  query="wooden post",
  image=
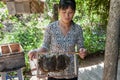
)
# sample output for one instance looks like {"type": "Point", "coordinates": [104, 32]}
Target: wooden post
{"type": "Point", "coordinates": [19, 74]}
{"type": "Point", "coordinates": [55, 12]}
{"type": "Point", "coordinates": [3, 76]}
{"type": "Point", "coordinates": [112, 48]}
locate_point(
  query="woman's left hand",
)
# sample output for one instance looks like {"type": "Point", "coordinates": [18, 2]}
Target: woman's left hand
{"type": "Point", "coordinates": [82, 53]}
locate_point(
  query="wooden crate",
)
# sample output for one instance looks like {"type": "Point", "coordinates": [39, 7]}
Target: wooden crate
{"type": "Point", "coordinates": [24, 6]}
{"type": "Point", "coordinates": [12, 57]}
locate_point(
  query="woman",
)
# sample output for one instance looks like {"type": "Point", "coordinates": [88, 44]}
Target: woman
{"type": "Point", "coordinates": [63, 36]}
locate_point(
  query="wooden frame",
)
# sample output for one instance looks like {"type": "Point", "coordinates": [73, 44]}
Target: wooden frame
{"type": "Point", "coordinates": [41, 74]}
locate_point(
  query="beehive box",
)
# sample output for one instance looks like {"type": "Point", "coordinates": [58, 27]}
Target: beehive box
{"type": "Point", "coordinates": [11, 57]}
{"type": "Point", "coordinates": [25, 6]}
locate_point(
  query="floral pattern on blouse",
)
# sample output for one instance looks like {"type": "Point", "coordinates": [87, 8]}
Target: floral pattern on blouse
{"type": "Point", "coordinates": [56, 41]}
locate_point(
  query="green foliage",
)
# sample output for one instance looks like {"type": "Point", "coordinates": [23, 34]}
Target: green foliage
{"type": "Point", "coordinates": [94, 39]}
{"type": "Point", "coordinates": [1, 5]}
{"type": "Point", "coordinates": [29, 38]}
{"type": "Point", "coordinates": [1, 35]}
{"type": "Point", "coordinates": [1, 26]}
{"type": "Point", "coordinates": [92, 15]}
{"type": "Point", "coordinates": [93, 10]}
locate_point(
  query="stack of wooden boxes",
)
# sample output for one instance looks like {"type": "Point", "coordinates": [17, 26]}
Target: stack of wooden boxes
{"type": "Point", "coordinates": [25, 6]}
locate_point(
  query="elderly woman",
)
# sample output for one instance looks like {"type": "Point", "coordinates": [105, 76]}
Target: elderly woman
{"type": "Point", "coordinates": [63, 36]}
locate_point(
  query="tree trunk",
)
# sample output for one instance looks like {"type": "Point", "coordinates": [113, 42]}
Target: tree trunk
{"type": "Point", "coordinates": [55, 12]}
{"type": "Point", "coordinates": [111, 49]}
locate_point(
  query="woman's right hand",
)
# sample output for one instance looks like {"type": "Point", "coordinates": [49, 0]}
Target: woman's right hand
{"type": "Point", "coordinates": [82, 53]}
{"type": "Point", "coordinates": [32, 54]}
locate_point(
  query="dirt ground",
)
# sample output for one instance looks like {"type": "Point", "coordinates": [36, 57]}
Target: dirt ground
{"type": "Point", "coordinates": [92, 59]}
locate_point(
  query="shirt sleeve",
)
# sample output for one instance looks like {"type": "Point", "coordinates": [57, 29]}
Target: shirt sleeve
{"type": "Point", "coordinates": [80, 39]}
{"type": "Point", "coordinates": [47, 38]}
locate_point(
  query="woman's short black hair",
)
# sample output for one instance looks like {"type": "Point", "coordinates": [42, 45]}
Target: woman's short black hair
{"type": "Point", "coordinates": [64, 4]}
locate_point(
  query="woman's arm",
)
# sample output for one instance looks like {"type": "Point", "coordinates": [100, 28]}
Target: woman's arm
{"type": "Point", "coordinates": [33, 53]}
{"type": "Point", "coordinates": [80, 44]}
{"type": "Point", "coordinates": [80, 39]}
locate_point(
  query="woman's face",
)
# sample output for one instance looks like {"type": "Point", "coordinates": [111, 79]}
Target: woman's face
{"type": "Point", "coordinates": [66, 15]}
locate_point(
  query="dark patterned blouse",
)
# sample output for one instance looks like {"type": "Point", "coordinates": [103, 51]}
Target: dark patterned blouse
{"type": "Point", "coordinates": [56, 41]}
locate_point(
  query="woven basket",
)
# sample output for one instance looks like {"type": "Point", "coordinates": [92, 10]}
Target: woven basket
{"type": "Point", "coordinates": [11, 57]}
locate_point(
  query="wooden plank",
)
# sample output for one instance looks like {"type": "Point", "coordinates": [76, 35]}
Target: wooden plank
{"type": "Point", "coordinates": [19, 7]}
{"type": "Point", "coordinates": [3, 76]}
{"type": "Point", "coordinates": [26, 7]}
{"type": "Point", "coordinates": [11, 8]}
{"type": "Point", "coordinates": [20, 75]}
{"type": "Point", "coordinates": [9, 0]}
{"type": "Point", "coordinates": [16, 0]}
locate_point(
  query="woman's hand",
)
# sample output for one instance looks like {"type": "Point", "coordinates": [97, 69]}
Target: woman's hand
{"type": "Point", "coordinates": [82, 53]}
{"type": "Point", "coordinates": [32, 54]}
